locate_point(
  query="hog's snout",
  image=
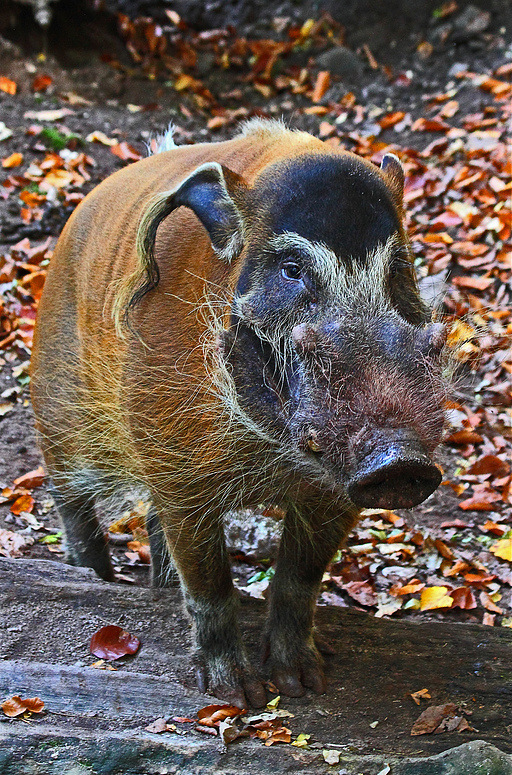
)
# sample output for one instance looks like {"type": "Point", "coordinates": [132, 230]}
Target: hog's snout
{"type": "Point", "coordinates": [397, 473]}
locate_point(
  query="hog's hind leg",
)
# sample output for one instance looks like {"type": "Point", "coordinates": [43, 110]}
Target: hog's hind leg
{"type": "Point", "coordinates": [85, 540]}
{"type": "Point", "coordinates": [311, 536]}
{"type": "Point", "coordinates": [163, 571]}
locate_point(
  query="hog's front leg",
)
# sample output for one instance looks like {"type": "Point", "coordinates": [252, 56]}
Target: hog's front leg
{"type": "Point", "coordinates": [311, 536]}
{"type": "Point", "coordinates": [197, 546]}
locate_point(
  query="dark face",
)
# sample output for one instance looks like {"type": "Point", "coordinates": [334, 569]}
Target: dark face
{"type": "Point", "coordinates": [328, 347]}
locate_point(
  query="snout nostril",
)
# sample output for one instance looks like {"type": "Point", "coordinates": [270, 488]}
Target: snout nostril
{"type": "Point", "coordinates": [400, 484]}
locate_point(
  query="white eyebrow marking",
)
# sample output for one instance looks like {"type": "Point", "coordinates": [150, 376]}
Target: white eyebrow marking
{"type": "Point", "coordinates": [367, 282]}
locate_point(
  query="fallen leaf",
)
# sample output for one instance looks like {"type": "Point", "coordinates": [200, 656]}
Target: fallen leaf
{"type": "Point", "coordinates": [15, 706]}
{"type": "Point", "coordinates": [112, 642]}
{"type": "Point", "coordinates": [126, 152]}
{"type": "Point", "coordinates": [301, 741]}
{"type": "Point", "coordinates": [432, 717]}
{"type": "Point", "coordinates": [229, 732]}
{"type": "Point", "coordinates": [489, 464]}
{"type": "Point", "coordinates": [23, 503]}
{"type": "Point", "coordinates": [488, 619]}
{"type": "Point", "coordinates": [14, 160]}
{"type": "Point", "coordinates": [48, 115]}
{"type": "Point", "coordinates": [429, 125]}
{"type": "Point", "coordinates": [476, 283]}
{"type": "Point", "coordinates": [100, 137]}
{"type": "Point", "coordinates": [464, 437]}
{"type": "Point", "coordinates": [8, 86]}
{"type": "Point", "coordinates": [390, 119]}
{"type": "Point", "coordinates": [322, 83]}
{"type": "Point", "coordinates": [282, 735]}
{"type": "Point", "coordinates": [41, 83]}
{"type": "Point", "coordinates": [31, 479]}
{"type": "Point", "coordinates": [421, 694]}
{"type": "Point", "coordinates": [463, 597]}
{"type": "Point", "coordinates": [489, 604]}
{"type": "Point", "coordinates": [362, 592]}
{"type": "Point", "coordinates": [211, 715]}
{"type": "Point", "coordinates": [503, 549]}
{"type": "Point", "coordinates": [435, 597]}
{"type": "Point", "coordinates": [217, 122]}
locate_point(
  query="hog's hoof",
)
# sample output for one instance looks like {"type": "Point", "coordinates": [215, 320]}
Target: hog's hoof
{"type": "Point", "coordinates": [293, 682]}
{"type": "Point", "coordinates": [241, 688]}
{"type": "Point", "coordinates": [296, 673]}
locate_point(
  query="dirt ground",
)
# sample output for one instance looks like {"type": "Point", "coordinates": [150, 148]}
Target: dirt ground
{"type": "Point", "coordinates": [101, 88]}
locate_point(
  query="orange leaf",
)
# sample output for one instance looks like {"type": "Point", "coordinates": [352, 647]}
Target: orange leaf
{"type": "Point", "coordinates": [316, 110]}
{"type": "Point", "coordinates": [390, 119]}
{"type": "Point", "coordinates": [430, 125]}
{"type": "Point", "coordinates": [15, 706]}
{"type": "Point", "coordinates": [112, 642]}
{"type": "Point", "coordinates": [7, 85]}
{"type": "Point", "coordinates": [435, 597]}
{"type": "Point", "coordinates": [217, 122]}
{"type": "Point", "coordinates": [444, 550]}
{"type": "Point", "coordinates": [411, 588]}
{"type": "Point", "coordinates": [41, 82]}
{"type": "Point", "coordinates": [494, 528]}
{"type": "Point", "coordinates": [464, 437]}
{"type": "Point", "coordinates": [486, 601]}
{"type": "Point", "coordinates": [126, 152]}
{"type": "Point", "coordinates": [323, 81]}
{"type": "Point", "coordinates": [489, 464]}
{"type": "Point", "coordinates": [463, 597]}
{"type": "Point", "coordinates": [23, 503]}
{"type": "Point", "coordinates": [14, 160]}
{"type": "Point", "coordinates": [212, 715]}
{"type": "Point", "coordinates": [282, 735]}
{"type": "Point", "coordinates": [478, 283]}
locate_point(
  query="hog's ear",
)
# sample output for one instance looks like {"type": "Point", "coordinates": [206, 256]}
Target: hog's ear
{"type": "Point", "coordinates": [208, 192]}
{"type": "Point", "coordinates": [393, 171]}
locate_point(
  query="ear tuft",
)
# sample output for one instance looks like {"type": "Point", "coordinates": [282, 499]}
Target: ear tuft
{"type": "Point", "coordinates": [392, 168]}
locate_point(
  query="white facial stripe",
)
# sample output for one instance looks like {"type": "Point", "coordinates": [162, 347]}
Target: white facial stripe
{"type": "Point", "coordinates": [327, 266]}
{"type": "Point", "coordinates": [367, 283]}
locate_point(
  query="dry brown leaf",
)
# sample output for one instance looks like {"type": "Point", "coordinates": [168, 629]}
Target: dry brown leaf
{"type": "Point", "coordinates": [432, 717]}
{"type": "Point", "coordinates": [211, 715]}
{"type": "Point", "coordinates": [15, 706]}
{"type": "Point", "coordinates": [31, 479]}
{"type": "Point", "coordinates": [112, 642]}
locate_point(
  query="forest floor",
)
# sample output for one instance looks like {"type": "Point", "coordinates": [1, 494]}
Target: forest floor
{"type": "Point", "coordinates": [444, 107]}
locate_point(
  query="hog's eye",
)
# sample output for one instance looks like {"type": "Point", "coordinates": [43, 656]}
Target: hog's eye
{"type": "Point", "coordinates": [291, 271]}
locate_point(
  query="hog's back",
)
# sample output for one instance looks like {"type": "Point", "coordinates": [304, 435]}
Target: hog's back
{"type": "Point", "coordinates": [92, 390]}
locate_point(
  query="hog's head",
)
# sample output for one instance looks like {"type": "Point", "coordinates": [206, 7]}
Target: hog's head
{"type": "Point", "coordinates": [330, 349]}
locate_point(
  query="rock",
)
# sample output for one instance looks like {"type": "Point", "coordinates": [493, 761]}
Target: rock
{"type": "Point", "coordinates": [470, 22]}
{"type": "Point", "coordinates": [253, 534]}
{"type": "Point", "coordinates": [343, 62]}
{"type": "Point", "coordinates": [205, 63]}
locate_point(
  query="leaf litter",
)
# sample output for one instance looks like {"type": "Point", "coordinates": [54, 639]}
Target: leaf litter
{"type": "Point", "coordinates": [459, 218]}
